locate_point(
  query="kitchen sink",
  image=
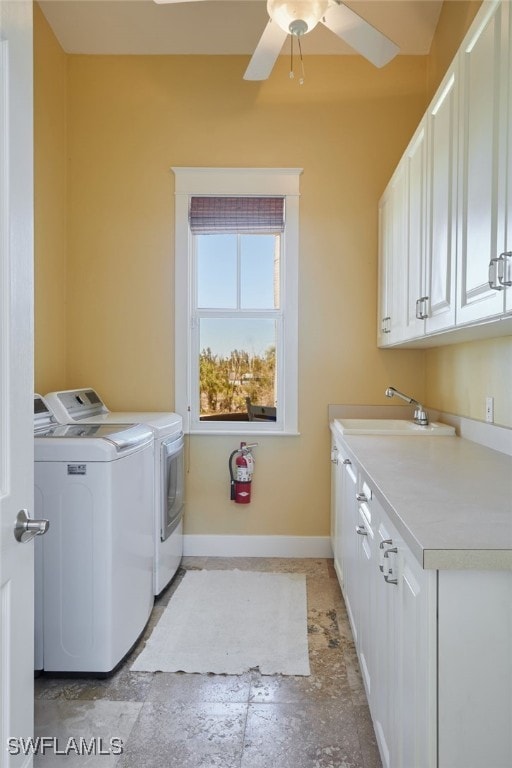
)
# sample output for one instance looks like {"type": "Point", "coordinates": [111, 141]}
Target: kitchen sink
{"type": "Point", "coordinates": [391, 427]}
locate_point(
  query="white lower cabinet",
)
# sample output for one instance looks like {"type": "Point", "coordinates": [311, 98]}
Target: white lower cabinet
{"type": "Point", "coordinates": [403, 704]}
{"type": "Point", "coordinates": [434, 646]}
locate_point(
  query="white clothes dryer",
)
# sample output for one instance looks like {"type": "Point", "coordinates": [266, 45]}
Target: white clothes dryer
{"type": "Point", "coordinates": [85, 406]}
{"type": "Point", "coordinates": [94, 567]}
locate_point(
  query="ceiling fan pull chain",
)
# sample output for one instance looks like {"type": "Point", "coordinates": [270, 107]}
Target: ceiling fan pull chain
{"type": "Point", "coordinates": [292, 73]}
{"type": "Point", "coordinates": [303, 75]}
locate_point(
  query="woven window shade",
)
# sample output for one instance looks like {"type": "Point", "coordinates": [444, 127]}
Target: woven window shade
{"type": "Point", "coordinates": [236, 214]}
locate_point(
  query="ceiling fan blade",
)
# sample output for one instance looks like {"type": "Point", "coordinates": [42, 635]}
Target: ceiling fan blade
{"type": "Point", "coordinates": [266, 53]}
{"type": "Point", "coordinates": [360, 35]}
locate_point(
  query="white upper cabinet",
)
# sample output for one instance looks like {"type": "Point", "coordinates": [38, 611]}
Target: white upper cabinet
{"type": "Point", "coordinates": [483, 138]}
{"type": "Point", "coordinates": [445, 218]}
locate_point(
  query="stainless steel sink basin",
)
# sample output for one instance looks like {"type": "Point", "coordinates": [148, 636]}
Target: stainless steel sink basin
{"type": "Point", "coordinates": [391, 427]}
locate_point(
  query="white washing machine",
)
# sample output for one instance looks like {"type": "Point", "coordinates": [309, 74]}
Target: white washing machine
{"type": "Point", "coordinates": [85, 406]}
{"type": "Point", "coordinates": [94, 566]}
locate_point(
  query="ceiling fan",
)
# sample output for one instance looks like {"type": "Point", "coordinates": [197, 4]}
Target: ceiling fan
{"type": "Point", "coordinates": [298, 17]}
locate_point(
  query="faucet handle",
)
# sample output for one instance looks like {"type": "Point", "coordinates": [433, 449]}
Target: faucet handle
{"type": "Point", "coordinates": [420, 416]}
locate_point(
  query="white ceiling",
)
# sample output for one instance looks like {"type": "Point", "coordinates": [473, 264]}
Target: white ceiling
{"type": "Point", "coordinates": [219, 26]}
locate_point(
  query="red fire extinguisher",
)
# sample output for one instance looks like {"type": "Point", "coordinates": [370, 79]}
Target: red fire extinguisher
{"type": "Point", "coordinates": [241, 479]}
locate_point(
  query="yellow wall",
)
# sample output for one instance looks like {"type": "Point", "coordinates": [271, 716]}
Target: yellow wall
{"type": "Point", "coordinates": [454, 21]}
{"type": "Point", "coordinates": [50, 106]}
{"type": "Point", "coordinates": [461, 376]}
{"type": "Point", "coordinates": [130, 120]}
{"type": "Point", "coordinates": [126, 121]}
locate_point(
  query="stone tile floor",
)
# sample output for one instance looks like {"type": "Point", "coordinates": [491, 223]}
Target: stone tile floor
{"type": "Point", "coordinates": [179, 720]}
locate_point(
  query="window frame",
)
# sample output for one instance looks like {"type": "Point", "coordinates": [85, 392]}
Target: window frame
{"type": "Point", "coordinates": [242, 182]}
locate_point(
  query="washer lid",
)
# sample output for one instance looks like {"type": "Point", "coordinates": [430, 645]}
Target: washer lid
{"type": "Point", "coordinates": [121, 436]}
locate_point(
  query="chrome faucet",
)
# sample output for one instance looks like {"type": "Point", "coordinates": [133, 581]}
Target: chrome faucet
{"type": "Point", "coordinates": [420, 414]}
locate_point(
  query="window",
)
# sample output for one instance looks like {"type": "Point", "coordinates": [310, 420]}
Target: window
{"type": "Point", "coordinates": [236, 299]}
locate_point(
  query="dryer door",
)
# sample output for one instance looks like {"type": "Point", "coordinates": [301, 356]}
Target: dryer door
{"type": "Point", "coordinates": [173, 480]}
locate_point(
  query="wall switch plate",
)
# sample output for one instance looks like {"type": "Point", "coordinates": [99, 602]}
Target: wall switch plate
{"type": "Point", "coordinates": [489, 409]}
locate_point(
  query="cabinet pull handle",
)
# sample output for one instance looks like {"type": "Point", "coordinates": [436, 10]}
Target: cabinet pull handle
{"type": "Point", "coordinates": [388, 580]}
{"type": "Point", "coordinates": [393, 550]}
{"type": "Point", "coordinates": [361, 497]}
{"type": "Point", "coordinates": [361, 530]}
{"type": "Point", "coordinates": [383, 543]}
{"type": "Point", "coordinates": [347, 461]}
{"type": "Point", "coordinates": [334, 455]}
{"type": "Point", "coordinates": [421, 308]}
{"type": "Point", "coordinates": [493, 274]}
{"type": "Point", "coordinates": [502, 269]}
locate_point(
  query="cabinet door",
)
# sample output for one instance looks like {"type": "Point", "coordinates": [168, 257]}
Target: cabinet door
{"type": "Point", "coordinates": [416, 678]}
{"type": "Point", "coordinates": [340, 497]}
{"type": "Point", "coordinates": [416, 300]}
{"type": "Point", "coordinates": [384, 280]}
{"type": "Point", "coordinates": [405, 710]}
{"type": "Point", "coordinates": [441, 205]}
{"type": "Point", "coordinates": [507, 237]}
{"type": "Point", "coordinates": [366, 617]}
{"type": "Point", "coordinates": [385, 707]}
{"type": "Point", "coordinates": [482, 201]}
{"type": "Point", "coordinates": [392, 260]}
{"type": "Point", "coordinates": [349, 544]}
{"type": "Point", "coordinates": [336, 481]}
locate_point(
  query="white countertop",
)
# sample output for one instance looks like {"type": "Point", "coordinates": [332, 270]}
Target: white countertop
{"type": "Point", "coordinates": [450, 498]}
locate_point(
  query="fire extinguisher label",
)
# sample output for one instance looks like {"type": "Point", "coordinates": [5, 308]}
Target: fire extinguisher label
{"type": "Point", "coordinates": [243, 475]}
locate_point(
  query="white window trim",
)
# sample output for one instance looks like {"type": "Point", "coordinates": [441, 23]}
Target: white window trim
{"type": "Point", "coordinates": [238, 181]}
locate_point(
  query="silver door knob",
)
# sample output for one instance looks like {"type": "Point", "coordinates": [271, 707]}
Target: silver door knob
{"type": "Point", "coordinates": [25, 528]}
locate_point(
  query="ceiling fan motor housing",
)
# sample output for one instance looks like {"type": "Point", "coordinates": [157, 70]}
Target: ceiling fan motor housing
{"type": "Point", "coordinates": [296, 17]}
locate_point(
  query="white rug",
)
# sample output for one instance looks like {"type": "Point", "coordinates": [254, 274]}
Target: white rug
{"type": "Point", "coordinates": [228, 622]}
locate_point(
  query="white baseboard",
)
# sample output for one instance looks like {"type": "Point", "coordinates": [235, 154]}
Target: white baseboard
{"type": "Point", "coordinates": [256, 546]}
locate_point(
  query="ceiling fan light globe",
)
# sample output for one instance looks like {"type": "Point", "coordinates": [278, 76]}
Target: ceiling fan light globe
{"type": "Point", "coordinates": [288, 13]}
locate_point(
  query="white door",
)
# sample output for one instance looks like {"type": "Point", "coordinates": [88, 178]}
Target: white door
{"type": "Point", "coordinates": [416, 303]}
{"type": "Point", "coordinates": [481, 194]}
{"type": "Point", "coordinates": [507, 133]}
{"type": "Point", "coordinates": [385, 277]}
{"type": "Point", "coordinates": [416, 674]}
{"type": "Point", "coordinates": [441, 206]}
{"type": "Point", "coordinates": [16, 377]}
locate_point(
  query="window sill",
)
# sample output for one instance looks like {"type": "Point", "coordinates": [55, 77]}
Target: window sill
{"type": "Point", "coordinates": [248, 434]}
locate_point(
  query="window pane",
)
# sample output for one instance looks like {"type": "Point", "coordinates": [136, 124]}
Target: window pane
{"type": "Point", "coordinates": [259, 262]}
{"type": "Point", "coordinates": [237, 362]}
{"type": "Point", "coordinates": [216, 271]}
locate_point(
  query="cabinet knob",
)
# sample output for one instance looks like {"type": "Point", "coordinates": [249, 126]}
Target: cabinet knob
{"type": "Point", "coordinates": [361, 497]}
{"type": "Point", "coordinates": [347, 461]}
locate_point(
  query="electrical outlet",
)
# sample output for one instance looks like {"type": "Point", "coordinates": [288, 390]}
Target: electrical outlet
{"type": "Point", "coordinates": [489, 409]}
